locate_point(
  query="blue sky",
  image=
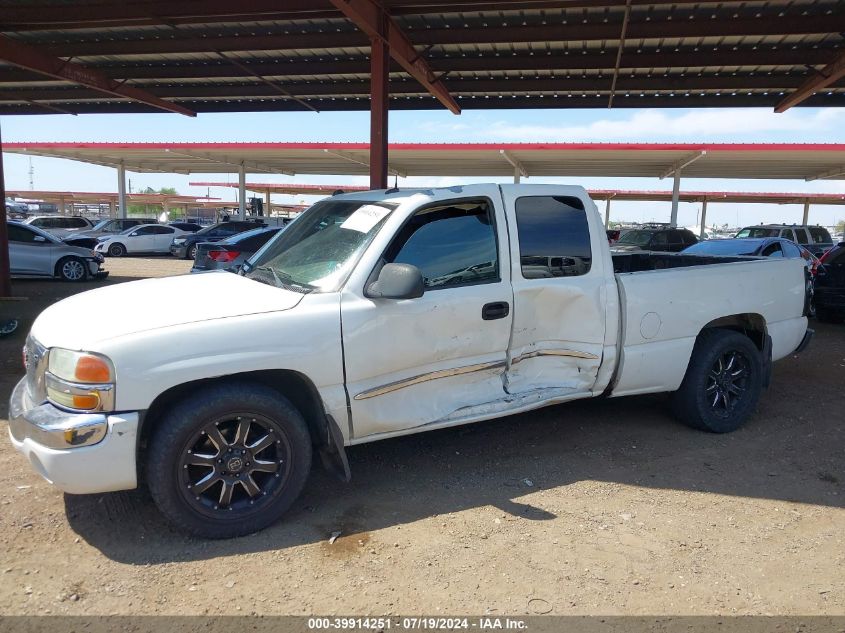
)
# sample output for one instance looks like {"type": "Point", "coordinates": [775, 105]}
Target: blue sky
{"type": "Point", "coordinates": [799, 125]}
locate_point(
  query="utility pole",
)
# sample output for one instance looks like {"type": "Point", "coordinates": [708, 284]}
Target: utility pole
{"type": "Point", "coordinates": [31, 175]}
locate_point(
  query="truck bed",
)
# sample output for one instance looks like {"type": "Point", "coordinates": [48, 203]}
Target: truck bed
{"type": "Point", "coordinates": [666, 299]}
{"type": "Point", "coordinates": [643, 261]}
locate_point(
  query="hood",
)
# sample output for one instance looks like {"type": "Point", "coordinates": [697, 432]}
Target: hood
{"type": "Point", "coordinates": [80, 321]}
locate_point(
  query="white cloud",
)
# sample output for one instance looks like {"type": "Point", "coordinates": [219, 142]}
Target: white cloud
{"type": "Point", "coordinates": [700, 125]}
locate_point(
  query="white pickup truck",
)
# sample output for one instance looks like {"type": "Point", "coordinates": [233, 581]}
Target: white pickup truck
{"type": "Point", "coordinates": [379, 314]}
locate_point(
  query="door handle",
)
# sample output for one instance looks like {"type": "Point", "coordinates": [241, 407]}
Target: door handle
{"type": "Point", "coordinates": [495, 310]}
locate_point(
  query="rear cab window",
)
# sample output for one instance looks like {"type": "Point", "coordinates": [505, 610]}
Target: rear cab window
{"type": "Point", "coordinates": [554, 237]}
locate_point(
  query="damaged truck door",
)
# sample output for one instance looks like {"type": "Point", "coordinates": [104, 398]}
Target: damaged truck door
{"type": "Point", "coordinates": [423, 361]}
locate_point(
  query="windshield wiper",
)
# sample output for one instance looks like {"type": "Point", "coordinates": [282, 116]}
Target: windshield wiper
{"type": "Point", "coordinates": [282, 280]}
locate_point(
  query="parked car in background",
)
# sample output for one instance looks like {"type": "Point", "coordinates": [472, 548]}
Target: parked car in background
{"type": "Point", "coordinates": [231, 253]}
{"type": "Point", "coordinates": [188, 227]}
{"type": "Point", "coordinates": [60, 225]}
{"type": "Point", "coordinates": [830, 285]}
{"type": "Point", "coordinates": [815, 239]}
{"type": "Point", "coordinates": [655, 238]}
{"type": "Point", "coordinates": [36, 253]}
{"type": "Point", "coordinates": [763, 247]}
{"type": "Point", "coordinates": [103, 228]}
{"type": "Point", "coordinates": [15, 209]}
{"type": "Point", "coordinates": [613, 236]}
{"type": "Point", "coordinates": [185, 246]}
{"type": "Point", "coordinates": [149, 238]}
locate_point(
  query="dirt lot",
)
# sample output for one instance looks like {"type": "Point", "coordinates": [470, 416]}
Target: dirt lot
{"type": "Point", "coordinates": [604, 507]}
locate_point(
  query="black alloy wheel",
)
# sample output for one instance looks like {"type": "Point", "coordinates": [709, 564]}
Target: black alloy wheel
{"type": "Point", "coordinates": [722, 383]}
{"type": "Point", "coordinates": [727, 382]}
{"type": "Point", "coordinates": [228, 460]}
{"type": "Point", "coordinates": [235, 463]}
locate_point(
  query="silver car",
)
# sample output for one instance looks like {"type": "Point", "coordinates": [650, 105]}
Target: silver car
{"type": "Point", "coordinates": [36, 253]}
{"type": "Point", "coordinates": [59, 225]}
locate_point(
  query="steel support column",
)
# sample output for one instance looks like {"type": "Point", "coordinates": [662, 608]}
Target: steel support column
{"type": "Point", "coordinates": [607, 213]}
{"type": "Point", "coordinates": [267, 203]}
{"type": "Point", "coordinates": [676, 194]}
{"type": "Point", "coordinates": [379, 68]}
{"type": "Point", "coordinates": [516, 175]}
{"type": "Point", "coordinates": [5, 270]}
{"type": "Point", "coordinates": [121, 191]}
{"type": "Point", "coordinates": [806, 211]}
{"type": "Point", "coordinates": [703, 219]}
{"type": "Point", "coordinates": [242, 192]}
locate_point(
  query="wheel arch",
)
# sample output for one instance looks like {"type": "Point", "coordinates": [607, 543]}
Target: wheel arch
{"type": "Point", "coordinates": [750, 324]}
{"type": "Point", "coordinates": [291, 384]}
{"type": "Point", "coordinates": [753, 326]}
{"type": "Point", "coordinates": [58, 266]}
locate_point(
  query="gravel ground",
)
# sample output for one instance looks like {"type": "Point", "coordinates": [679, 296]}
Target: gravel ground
{"type": "Point", "coordinates": [599, 507]}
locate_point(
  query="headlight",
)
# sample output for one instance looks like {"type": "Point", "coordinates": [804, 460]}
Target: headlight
{"type": "Point", "coordinates": [179, 240]}
{"type": "Point", "coordinates": [80, 380]}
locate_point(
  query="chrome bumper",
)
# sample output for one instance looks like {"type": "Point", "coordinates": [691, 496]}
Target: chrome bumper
{"type": "Point", "coordinates": [80, 453]}
{"type": "Point", "coordinates": [50, 426]}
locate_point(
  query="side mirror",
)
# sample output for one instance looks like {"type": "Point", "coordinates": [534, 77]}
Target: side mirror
{"type": "Point", "coordinates": [397, 281]}
{"type": "Point", "coordinates": [133, 234]}
{"type": "Point", "coordinates": [39, 238]}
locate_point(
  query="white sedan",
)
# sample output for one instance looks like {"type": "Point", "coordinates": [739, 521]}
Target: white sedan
{"type": "Point", "coordinates": [148, 238]}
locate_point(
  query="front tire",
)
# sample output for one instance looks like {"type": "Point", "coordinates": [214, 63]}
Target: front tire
{"type": "Point", "coordinates": [117, 250]}
{"type": "Point", "coordinates": [228, 460]}
{"type": "Point", "coordinates": [192, 252]}
{"type": "Point", "coordinates": [723, 382]}
{"type": "Point", "coordinates": [71, 269]}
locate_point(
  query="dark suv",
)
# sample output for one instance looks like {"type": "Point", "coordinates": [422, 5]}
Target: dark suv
{"type": "Point", "coordinates": [830, 285]}
{"type": "Point", "coordinates": [815, 239]}
{"type": "Point", "coordinates": [186, 245]}
{"type": "Point", "coordinates": [655, 238]}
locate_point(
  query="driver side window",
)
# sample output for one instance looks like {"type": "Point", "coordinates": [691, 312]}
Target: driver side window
{"type": "Point", "coordinates": [451, 245]}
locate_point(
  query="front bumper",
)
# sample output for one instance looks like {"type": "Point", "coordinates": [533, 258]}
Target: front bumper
{"type": "Point", "coordinates": [180, 251]}
{"type": "Point", "coordinates": [79, 453]}
{"type": "Point", "coordinates": [805, 342]}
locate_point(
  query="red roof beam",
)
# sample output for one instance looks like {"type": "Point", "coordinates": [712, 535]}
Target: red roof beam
{"type": "Point", "coordinates": [17, 53]}
{"type": "Point", "coordinates": [368, 16]}
{"type": "Point", "coordinates": [828, 75]}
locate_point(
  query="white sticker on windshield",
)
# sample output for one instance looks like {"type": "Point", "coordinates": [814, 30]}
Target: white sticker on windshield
{"type": "Point", "coordinates": [365, 218]}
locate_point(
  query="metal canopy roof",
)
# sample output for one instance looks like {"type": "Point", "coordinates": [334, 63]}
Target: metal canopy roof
{"type": "Point", "coordinates": [753, 197]}
{"type": "Point", "coordinates": [221, 56]}
{"type": "Point", "coordinates": [779, 161]}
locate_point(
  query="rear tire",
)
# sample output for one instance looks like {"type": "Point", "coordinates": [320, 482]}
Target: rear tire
{"type": "Point", "coordinates": [117, 250]}
{"type": "Point", "coordinates": [71, 269]}
{"type": "Point", "coordinates": [723, 382]}
{"type": "Point", "coordinates": [192, 252]}
{"type": "Point", "coordinates": [228, 460]}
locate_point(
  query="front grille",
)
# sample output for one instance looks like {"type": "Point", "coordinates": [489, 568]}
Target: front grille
{"type": "Point", "coordinates": [35, 360]}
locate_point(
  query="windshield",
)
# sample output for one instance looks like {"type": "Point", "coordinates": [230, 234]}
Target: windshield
{"type": "Point", "coordinates": [101, 224]}
{"type": "Point", "coordinates": [638, 238]}
{"type": "Point", "coordinates": [757, 232]}
{"type": "Point", "coordinates": [320, 248]}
